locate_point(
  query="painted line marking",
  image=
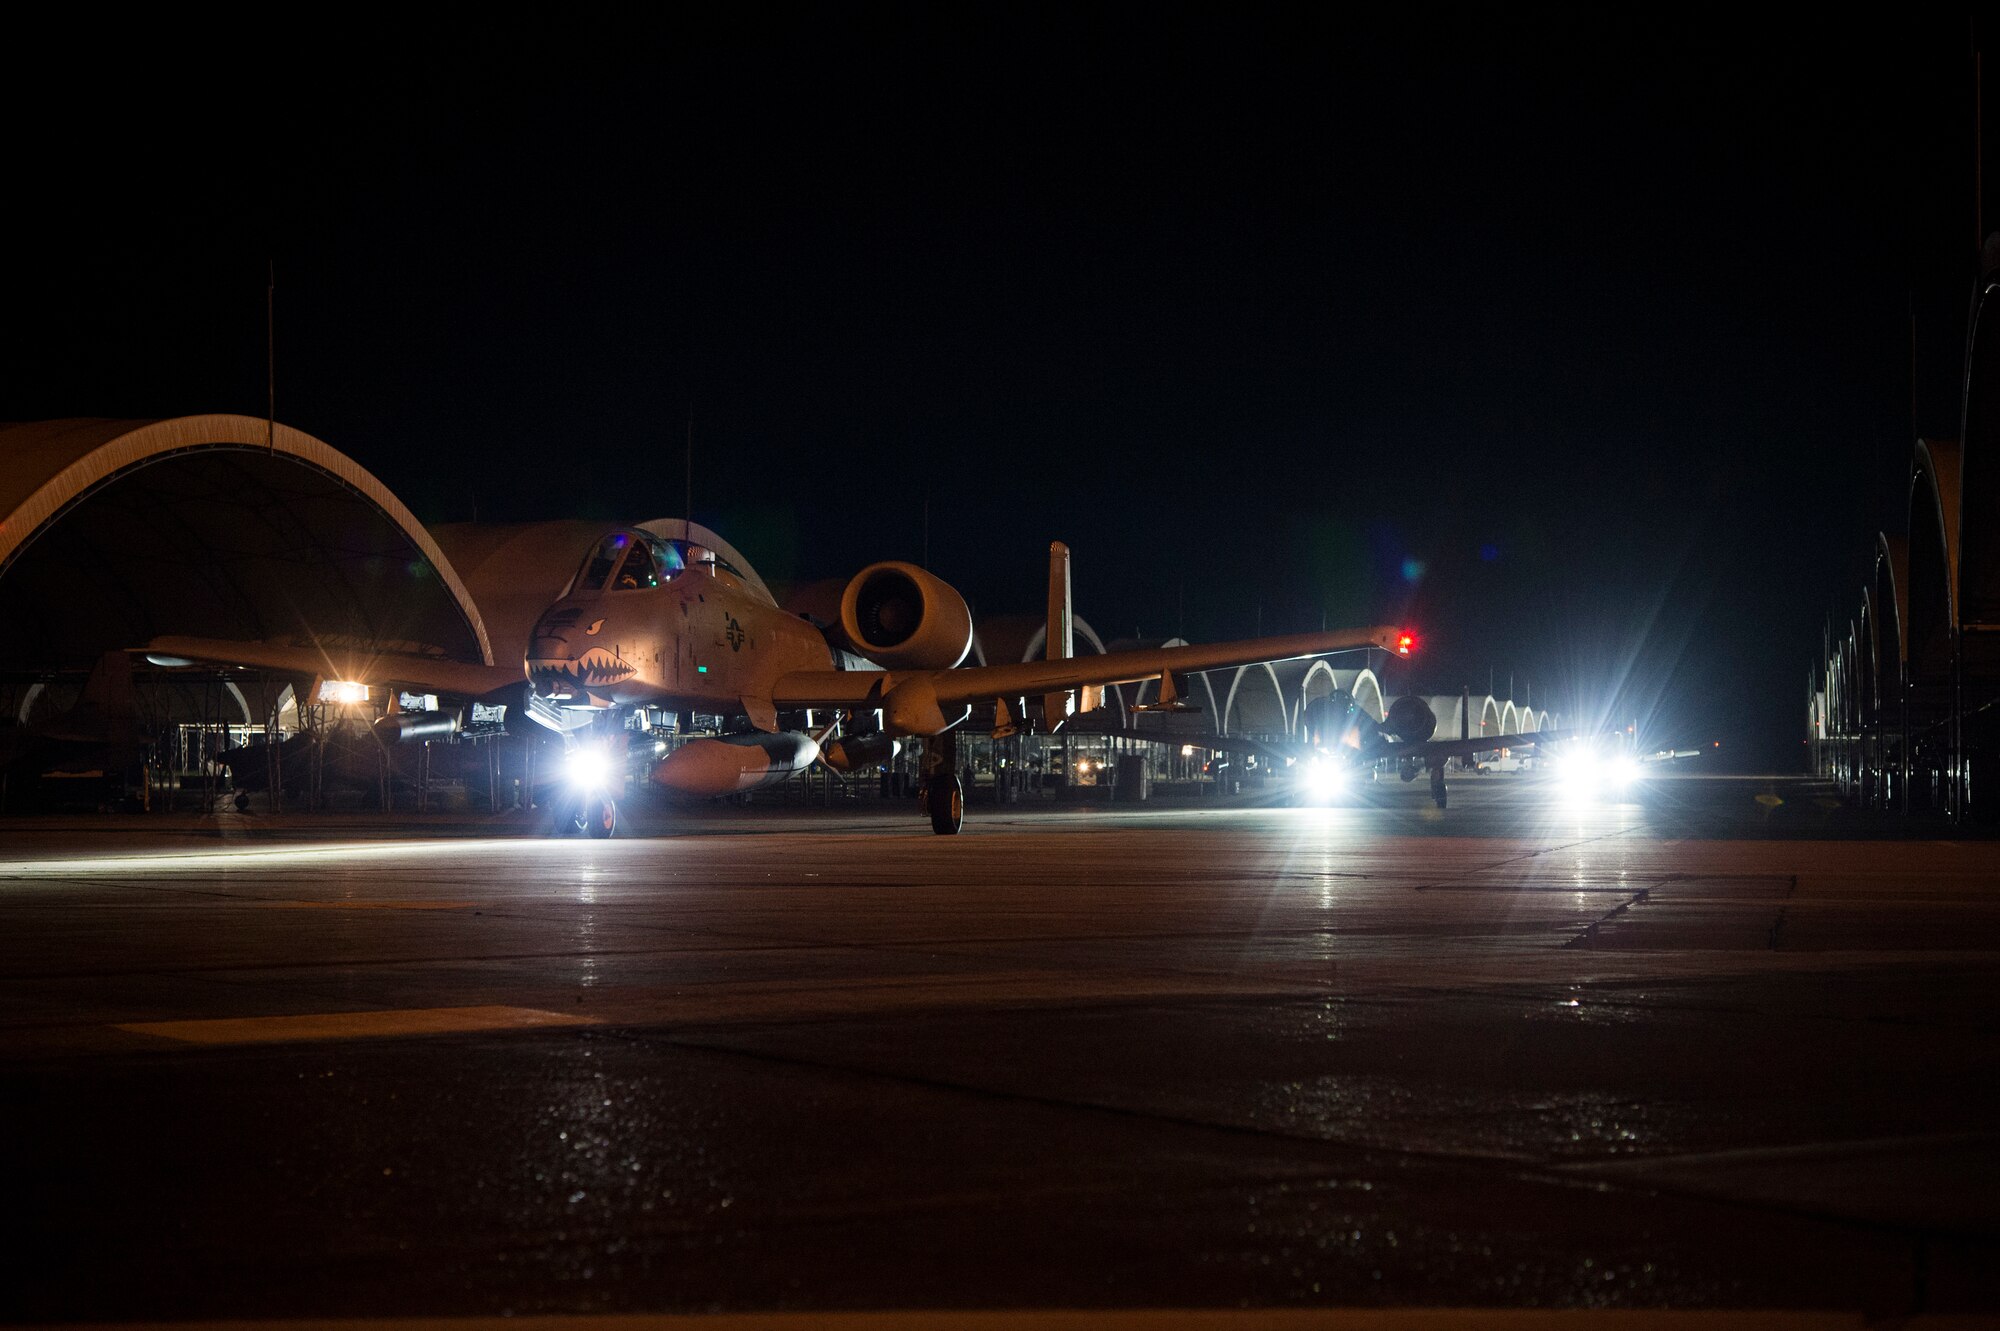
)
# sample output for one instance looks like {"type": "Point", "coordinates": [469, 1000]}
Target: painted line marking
{"type": "Point", "coordinates": [354, 1025]}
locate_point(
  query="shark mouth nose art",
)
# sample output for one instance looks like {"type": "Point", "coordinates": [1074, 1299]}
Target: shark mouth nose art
{"type": "Point", "coordinates": [596, 667]}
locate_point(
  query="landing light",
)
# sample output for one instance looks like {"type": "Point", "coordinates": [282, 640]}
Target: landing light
{"type": "Point", "coordinates": [587, 768]}
{"type": "Point", "coordinates": [1585, 775]}
{"type": "Point", "coordinates": [1325, 777]}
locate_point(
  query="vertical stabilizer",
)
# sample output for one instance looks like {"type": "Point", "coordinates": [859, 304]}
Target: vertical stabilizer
{"type": "Point", "coordinates": [1060, 639]}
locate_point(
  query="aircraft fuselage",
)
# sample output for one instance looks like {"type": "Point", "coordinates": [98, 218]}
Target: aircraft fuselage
{"type": "Point", "coordinates": [694, 638]}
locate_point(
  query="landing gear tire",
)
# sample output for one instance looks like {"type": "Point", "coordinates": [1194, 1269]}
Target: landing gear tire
{"type": "Point", "coordinates": [602, 817]}
{"type": "Point", "coordinates": [241, 802]}
{"type": "Point", "coordinates": [944, 799]}
{"type": "Point", "coordinates": [1437, 786]}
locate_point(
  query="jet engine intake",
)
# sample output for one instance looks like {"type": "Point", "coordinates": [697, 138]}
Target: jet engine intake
{"type": "Point", "coordinates": [1410, 720]}
{"type": "Point", "coordinates": [901, 617]}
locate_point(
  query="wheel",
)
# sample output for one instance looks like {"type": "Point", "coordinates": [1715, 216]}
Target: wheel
{"type": "Point", "coordinates": [603, 820]}
{"type": "Point", "coordinates": [1437, 786]}
{"type": "Point", "coordinates": [242, 801]}
{"type": "Point", "coordinates": [568, 819]}
{"type": "Point", "coordinates": [945, 799]}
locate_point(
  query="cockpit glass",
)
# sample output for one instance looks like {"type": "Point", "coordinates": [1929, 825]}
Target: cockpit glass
{"type": "Point", "coordinates": [597, 569]}
{"type": "Point", "coordinates": [676, 556]}
{"type": "Point", "coordinates": [624, 561]}
{"type": "Point", "coordinates": [638, 570]}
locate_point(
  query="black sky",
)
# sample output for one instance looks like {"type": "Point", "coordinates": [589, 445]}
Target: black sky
{"type": "Point", "coordinates": [1603, 322]}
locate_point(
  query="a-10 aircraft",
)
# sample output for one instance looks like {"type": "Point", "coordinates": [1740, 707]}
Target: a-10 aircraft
{"type": "Point", "coordinates": [657, 623]}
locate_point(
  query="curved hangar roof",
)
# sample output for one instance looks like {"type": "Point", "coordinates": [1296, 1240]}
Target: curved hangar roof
{"type": "Point", "coordinates": [115, 532]}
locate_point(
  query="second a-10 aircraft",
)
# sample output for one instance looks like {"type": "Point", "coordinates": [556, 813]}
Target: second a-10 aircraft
{"type": "Point", "coordinates": [658, 623]}
{"type": "Point", "coordinates": [1337, 738]}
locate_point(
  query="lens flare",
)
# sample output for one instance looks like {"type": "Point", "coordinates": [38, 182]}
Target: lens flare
{"type": "Point", "coordinates": [587, 768]}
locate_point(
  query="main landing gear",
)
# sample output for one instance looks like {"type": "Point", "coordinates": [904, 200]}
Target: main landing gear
{"type": "Point", "coordinates": [1437, 784]}
{"type": "Point", "coordinates": [944, 800]}
{"type": "Point", "coordinates": [944, 793]}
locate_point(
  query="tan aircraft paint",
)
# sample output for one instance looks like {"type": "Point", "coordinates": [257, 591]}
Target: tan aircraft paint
{"type": "Point", "coordinates": [702, 641]}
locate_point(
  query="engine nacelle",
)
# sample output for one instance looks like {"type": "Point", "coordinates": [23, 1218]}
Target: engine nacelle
{"type": "Point", "coordinates": [1410, 720]}
{"type": "Point", "coordinates": [899, 616]}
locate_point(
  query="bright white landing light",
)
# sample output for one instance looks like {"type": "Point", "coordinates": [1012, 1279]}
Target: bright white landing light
{"type": "Point", "coordinates": [588, 768]}
{"type": "Point", "coordinates": [1585, 775]}
{"type": "Point", "coordinates": [1324, 777]}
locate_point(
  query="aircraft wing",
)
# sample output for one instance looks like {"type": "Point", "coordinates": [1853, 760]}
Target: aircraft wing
{"type": "Point", "coordinates": [968, 684]}
{"type": "Point", "coordinates": [429, 673]}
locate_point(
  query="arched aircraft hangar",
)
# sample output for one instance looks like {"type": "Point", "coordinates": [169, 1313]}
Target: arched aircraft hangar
{"type": "Point", "coordinates": [212, 526]}
{"type": "Point", "coordinates": [1903, 707]}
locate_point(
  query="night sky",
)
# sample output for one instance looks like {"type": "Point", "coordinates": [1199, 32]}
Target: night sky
{"type": "Point", "coordinates": [1583, 345]}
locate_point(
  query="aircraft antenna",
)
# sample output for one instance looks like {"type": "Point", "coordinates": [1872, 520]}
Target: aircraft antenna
{"type": "Point", "coordinates": [687, 521]}
{"type": "Point", "coordinates": [270, 354]}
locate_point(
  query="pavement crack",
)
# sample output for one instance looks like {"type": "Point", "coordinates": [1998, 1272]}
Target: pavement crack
{"type": "Point", "coordinates": [1589, 934]}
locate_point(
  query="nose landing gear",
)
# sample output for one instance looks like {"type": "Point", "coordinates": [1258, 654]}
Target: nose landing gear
{"type": "Point", "coordinates": [589, 815]}
{"type": "Point", "coordinates": [593, 771]}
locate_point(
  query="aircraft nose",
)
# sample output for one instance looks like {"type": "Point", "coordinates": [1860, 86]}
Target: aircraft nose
{"type": "Point", "coordinates": [572, 646]}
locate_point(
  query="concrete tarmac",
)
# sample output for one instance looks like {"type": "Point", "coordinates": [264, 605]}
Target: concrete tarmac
{"type": "Point", "coordinates": [1692, 1050]}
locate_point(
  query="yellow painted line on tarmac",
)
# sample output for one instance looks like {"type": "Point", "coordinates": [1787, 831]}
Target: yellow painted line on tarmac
{"type": "Point", "coordinates": [354, 1025]}
{"type": "Point", "coordinates": [1149, 1319]}
{"type": "Point", "coordinates": [368, 905]}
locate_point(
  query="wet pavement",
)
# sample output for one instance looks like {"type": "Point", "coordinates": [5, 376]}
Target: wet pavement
{"type": "Point", "coordinates": [1694, 1051]}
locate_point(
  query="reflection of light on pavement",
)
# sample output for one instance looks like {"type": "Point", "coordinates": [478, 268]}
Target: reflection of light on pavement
{"type": "Point", "coordinates": [365, 1025]}
{"type": "Point", "coordinates": [263, 857]}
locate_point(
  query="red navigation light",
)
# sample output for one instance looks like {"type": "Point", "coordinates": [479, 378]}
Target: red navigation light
{"type": "Point", "coordinates": [1405, 644]}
